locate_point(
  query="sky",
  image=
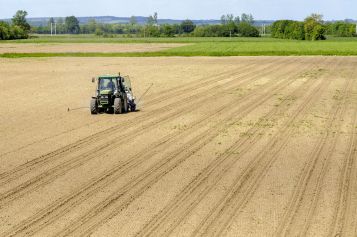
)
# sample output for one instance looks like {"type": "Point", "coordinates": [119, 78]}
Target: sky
{"type": "Point", "coordinates": [184, 9]}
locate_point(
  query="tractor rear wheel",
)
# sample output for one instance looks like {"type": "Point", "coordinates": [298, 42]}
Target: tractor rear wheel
{"type": "Point", "coordinates": [93, 106]}
{"type": "Point", "coordinates": [117, 106]}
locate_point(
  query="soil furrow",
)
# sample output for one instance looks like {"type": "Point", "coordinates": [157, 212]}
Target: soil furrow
{"type": "Point", "coordinates": [106, 175]}
{"type": "Point", "coordinates": [245, 184]}
{"type": "Point", "coordinates": [181, 205]}
{"type": "Point", "coordinates": [171, 162]}
{"type": "Point", "coordinates": [58, 154]}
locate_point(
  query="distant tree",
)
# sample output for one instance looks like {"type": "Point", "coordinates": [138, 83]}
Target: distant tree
{"type": "Point", "coordinates": [237, 20]}
{"type": "Point", "coordinates": [341, 29]}
{"type": "Point", "coordinates": [287, 29]}
{"type": "Point", "coordinates": [187, 26]}
{"type": "Point", "coordinates": [18, 33]}
{"type": "Point", "coordinates": [150, 21]}
{"type": "Point", "coordinates": [99, 31]}
{"type": "Point", "coordinates": [226, 19]}
{"type": "Point", "coordinates": [51, 21]}
{"type": "Point", "coordinates": [5, 33]}
{"type": "Point", "coordinates": [151, 31]}
{"type": "Point", "coordinates": [223, 19]}
{"type": "Point", "coordinates": [155, 17]}
{"type": "Point", "coordinates": [168, 30]}
{"type": "Point", "coordinates": [60, 26]}
{"type": "Point", "coordinates": [314, 28]}
{"type": "Point", "coordinates": [248, 18]}
{"type": "Point", "coordinates": [133, 20]}
{"type": "Point", "coordinates": [92, 26]}
{"type": "Point", "coordinates": [247, 30]}
{"type": "Point", "coordinates": [316, 17]}
{"type": "Point", "coordinates": [19, 19]}
{"type": "Point", "coordinates": [318, 33]}
{"type": "Point", "coordinates": [72, 25]}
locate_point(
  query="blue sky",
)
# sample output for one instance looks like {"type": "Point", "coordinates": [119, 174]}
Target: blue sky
{"type": "Point", "coordinates": [182, 9]}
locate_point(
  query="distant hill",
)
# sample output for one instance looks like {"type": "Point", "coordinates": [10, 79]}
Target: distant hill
{"type": "Point", "coordinates": [141, 20]}
{"type": "Point", "coordinates": [41, 21]}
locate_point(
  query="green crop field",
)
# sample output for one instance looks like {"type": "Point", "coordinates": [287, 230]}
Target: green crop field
{"type": "Point", "coordinates": [263, 46]}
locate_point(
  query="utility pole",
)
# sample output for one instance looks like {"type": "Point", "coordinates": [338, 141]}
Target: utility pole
{"type": "Point", "coordinates": [55, 28]}
{"type": "Point", "coordinates": [51, 28]}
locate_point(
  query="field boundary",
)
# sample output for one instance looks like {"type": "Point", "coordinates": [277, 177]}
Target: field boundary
{"type": "Point", "coordinates": [178, 54]}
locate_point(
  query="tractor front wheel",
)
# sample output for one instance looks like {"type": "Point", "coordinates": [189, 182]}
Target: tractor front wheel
{"type": "Point", "coordinates": [133, 108]}
{"type": "Point", "coordinates": [117, 106]}
{"type": "Point", "coordinates": [93, 106]}
{"type": "Point", "coordinates": [125, 107]}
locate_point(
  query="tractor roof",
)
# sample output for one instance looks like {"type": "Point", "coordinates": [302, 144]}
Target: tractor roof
{"type": "Point", "coordinates": [109, 76]}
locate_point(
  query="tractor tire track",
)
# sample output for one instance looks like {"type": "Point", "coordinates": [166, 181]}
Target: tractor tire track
{"type": "Point", "coordinates": [133, 191]}
{"type": "Point", "coordinates": [245, 184]}
{"type": "Point", "coordinates": [168, 94]}
{"type": "Point", "coordinates": [340, 219]}
{"type": "Point", "coordinates": [154, 100]}
{"type": "Point", "coordinates": [199, 188]}
{"type": "Point", "coordinates": [317, 163]}
{"type": "Point", "coordinates": [106, 175]}
{"type": "Point", "coordinates": [53, 173]}
{"type": "Point", "coordinates": [58, 154]}
{"type": "Point", "coordinates": [193, 193]}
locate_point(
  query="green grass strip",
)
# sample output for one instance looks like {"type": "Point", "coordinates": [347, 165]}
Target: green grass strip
{"type": "Point", "coordinates": [181, 54]}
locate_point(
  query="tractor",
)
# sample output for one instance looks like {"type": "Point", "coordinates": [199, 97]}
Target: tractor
{"type": "Point", "coordinates": [113, 95]}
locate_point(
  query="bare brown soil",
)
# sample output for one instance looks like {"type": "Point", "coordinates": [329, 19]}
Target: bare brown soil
{"type": "Point", "coordinates": [240, 146]}
{"type": "Point", "coordinates": [84, 48]}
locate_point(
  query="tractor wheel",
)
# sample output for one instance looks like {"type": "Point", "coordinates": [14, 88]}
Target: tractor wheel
{"type": "Point", "coordinates": [93, 106]}
{"type": "Point", "coordinates": [117, 106]}
{"type": "Point", "coordinates": [125, 107]}
{"type": "Point", "coordinates": [132, 108]}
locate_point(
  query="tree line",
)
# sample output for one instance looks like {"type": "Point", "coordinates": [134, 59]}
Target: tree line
{"type": "Point", "coordinates": [312, 28]}
{"type": "Point", "coordinates": [230, 27]}
{"type": "Point", "coordinates": [341, 29]}
{"type": "Point", "coordinates": [18, 29]}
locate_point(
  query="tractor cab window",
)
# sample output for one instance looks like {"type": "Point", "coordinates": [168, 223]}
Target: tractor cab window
{"type": "Point", "coordinates": [107, 84]}
{"type": "Point", "coordinates": [127, 83]}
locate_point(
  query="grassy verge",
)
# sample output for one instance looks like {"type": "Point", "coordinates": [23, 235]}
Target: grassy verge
{"type": "Point", "coordinates": [285, 48]}
{"type": "Point", "coordinates": [43, 39]}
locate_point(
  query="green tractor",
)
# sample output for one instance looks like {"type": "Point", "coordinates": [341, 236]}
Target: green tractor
{"type": "Point", "coordinates": [113, 95]}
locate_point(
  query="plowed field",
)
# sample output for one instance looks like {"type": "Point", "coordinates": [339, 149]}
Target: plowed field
{"type": "Point", "coordinates": [239, 146]}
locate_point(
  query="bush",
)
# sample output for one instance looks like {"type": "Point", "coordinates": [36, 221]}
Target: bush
{"type": "Point", "coordinates": [314, 29]}
{"type": "Point", "coordinates": [341, 29]}
{"type": "Point", "coordinates": [209, 31]}
{"type": "Point", "coordinates": [5, 33]}
{"type": "Point", "coordinates": [247, 30]}
{"type": "Point", "coordinates": [311, 29]}
{"type": "Point", "coordinates": [10, 32]}
{"type": "Point", "coordinates": [18, 33]}
{"type": "Point", "coordinates": [318, 33]}
{"type": "Point", "coordinates": [286, 29]}
{"type": "Point", "coordinates": [187, 26]}
{"type": "Point", "coordinates": [167, 31]}
{"type": "Point", "coordinates": [99, 32]}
